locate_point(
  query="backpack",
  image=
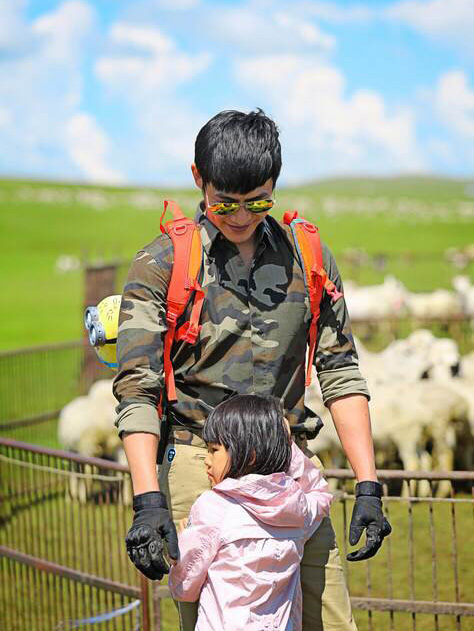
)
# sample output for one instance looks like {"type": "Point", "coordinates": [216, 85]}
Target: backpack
{"type": "Point", "coordinates": [184, 286]}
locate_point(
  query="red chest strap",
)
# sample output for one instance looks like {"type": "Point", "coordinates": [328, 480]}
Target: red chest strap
{"type": "Point", "coordinates": [308, 248]}
{"type": "Point", "coordinates": [186, 240]}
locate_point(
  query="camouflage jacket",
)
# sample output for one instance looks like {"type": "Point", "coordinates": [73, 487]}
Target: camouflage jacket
{"type": "Point", "coordinates": [253, 337]}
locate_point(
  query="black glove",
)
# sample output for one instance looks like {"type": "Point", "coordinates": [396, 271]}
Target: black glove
{"type": "Point", "coordinates": [151, 525]}
{"type": "Point", "coordinates": [367, 513]}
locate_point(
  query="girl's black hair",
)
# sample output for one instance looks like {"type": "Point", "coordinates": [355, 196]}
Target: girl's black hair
{"type": "Point", "coordinates": [251, 427]}
{"type": "Point", "coordinates": [238, 152]}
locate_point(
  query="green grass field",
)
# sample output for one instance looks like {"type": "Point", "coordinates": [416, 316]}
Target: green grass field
{"type": "Point", "coordinates": [40, 221]}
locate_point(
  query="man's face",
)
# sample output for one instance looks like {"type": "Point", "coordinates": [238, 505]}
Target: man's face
{"type": "Point", "coordinates": [241, 225]}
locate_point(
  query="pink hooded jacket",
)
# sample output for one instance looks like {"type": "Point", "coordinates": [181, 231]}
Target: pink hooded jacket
{"type": "Point", "coordinates": [242, 547]}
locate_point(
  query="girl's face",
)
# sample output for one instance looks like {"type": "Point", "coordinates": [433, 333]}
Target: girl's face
{"type": "Point", "coordinates": [217, 462]}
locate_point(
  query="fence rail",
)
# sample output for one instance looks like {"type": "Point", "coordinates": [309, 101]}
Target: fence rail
{"type": "Point", "coordinates": [422, 577]}
{"type": "Point", "coordinates": [63, 518]}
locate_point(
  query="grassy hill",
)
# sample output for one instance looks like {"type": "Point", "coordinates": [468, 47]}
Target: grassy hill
{"type": "Point", "coordinates": [42, 221]}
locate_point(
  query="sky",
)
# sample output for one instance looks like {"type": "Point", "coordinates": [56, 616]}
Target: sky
{"type": "Point", "coordinates": [115, 91]}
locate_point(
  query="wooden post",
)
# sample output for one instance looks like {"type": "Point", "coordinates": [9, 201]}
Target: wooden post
{"type": "Point", "coordinates": [156, 598]}
{"type": "Point", "coordinates": [99, 282]}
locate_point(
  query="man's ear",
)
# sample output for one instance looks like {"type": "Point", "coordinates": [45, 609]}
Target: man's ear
{"type": "Point", "coordinates": [197, 176]}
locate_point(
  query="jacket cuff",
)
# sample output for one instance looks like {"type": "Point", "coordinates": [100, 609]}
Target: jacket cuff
{"type": "Point", "coordinates": [150, 499]}
{"type": "Point", "coordinates": [340, 382]}
{"type": "Point", "coordinates": [138, 417]}
{"type": "Point", "coordinates": [368, 488]}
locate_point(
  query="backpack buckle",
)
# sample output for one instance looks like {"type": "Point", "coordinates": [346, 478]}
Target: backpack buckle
{"type": "Point", "coordinates": [289, 216]}
{"type": "Point", "coordinates": [328, 285]}
{"type": "Point", "coordinates": [171, 318]}
{"type": "Point", "coordinates": [188, 333]}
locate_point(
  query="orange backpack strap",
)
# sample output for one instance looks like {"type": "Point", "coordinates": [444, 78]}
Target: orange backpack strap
{"type": "Point", "coordinates": [186, 240]}
{"type": "Point", "coordinates": [309, 251]}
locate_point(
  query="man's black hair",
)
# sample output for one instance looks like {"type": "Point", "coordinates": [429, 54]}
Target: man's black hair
{"type": "Point", "coordinates": [252, 429]}
{"type": "Point", "coordinates": [238, 152]}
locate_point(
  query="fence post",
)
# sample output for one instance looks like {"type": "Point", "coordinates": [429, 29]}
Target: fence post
{"type": "Point", "coordinates": [145, 603]}
{"type": "Point", "coordinates": [156, 606]}
{"type": "Point", "coordinates": [99, 282]}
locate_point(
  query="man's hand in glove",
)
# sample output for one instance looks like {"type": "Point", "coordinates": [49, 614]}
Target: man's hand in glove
{"type": "Point", "coordinates": [151, 527]}
{"type": "Point", "coordinates": [367, 513]}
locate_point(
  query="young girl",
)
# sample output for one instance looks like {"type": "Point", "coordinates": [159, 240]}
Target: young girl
{"type": "Point", "coordinates": [244, 540]}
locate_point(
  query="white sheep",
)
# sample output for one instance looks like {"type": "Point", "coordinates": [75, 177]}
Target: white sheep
{"type": "Point", "coordinates": [387, 300]}
{"type": "Point", "coordinates": [465, 292]}
{"type": "Point", "coordinates": [86, 426]}
{"type": "Point", "coordinates": [423, 420]}
{"type": "Point", "coordinates": [417, 414]}
{"type": "Point", "coordinates": [437, 304]}
{"type": "Point", "coordinates": [418, 422]}
{"type": "Point", "coordinates": [419, 356]}
{"type": "Point", "coordinates": [391, 300]}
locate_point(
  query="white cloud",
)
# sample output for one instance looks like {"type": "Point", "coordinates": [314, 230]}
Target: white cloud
{"type": "Point", "coordinates": [146, 68]}
{"type": "Point", "coordinates": [42, 87]}
{"type": "Point", "coordinates": [454, 104]}
{"type": "Point", "coordinates": [448, 20]}
{"type": "Point", "coordinates": [332, 12]}
{"type": "Point", "coordinates": [12, 35]}
{"type": "Point", "coordinates": [268, 27]}
{"type": "Point", "coordinates": [151, 63]}
{"type": "Point", "coordinates": [177, 5]}
{"type": "Point", "coordinates": [5, 117]}
{"type": "Point", "coordinates": [146, 37]}
{"type": "Point", "coordinates": [63, 32]}
{"type": "Point", "coordinates": [280, 53]}
{"type": "Point", "coordinates": [89, 148]}
{"type": "Point", "coordinates": [325, 129]}
{"type": "Point", "coordinates": [169, 130]}
{"type": "Point", "coordinates": [305, 31]}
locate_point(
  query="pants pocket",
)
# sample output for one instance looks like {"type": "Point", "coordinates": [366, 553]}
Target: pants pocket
{"type": "Point", "coordinates": [183, 478]}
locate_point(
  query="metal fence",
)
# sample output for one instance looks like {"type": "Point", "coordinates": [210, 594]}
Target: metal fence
{"type": "Point", "coordinates": [423, 577]}
{"type": "Point", "coordinates": [63, 519]}
{"type": "Point", "coordinates": [36, 382]}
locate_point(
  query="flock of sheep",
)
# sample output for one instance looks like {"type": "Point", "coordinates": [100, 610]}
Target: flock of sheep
{"type": "Point", "coordinates": [422, 407]}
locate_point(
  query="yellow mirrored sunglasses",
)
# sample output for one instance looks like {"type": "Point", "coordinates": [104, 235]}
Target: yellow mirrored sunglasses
{"type": "Point", "coordinates": [228, 208]}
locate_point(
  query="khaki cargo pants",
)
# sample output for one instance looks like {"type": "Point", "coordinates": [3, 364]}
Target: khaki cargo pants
{"type": "Point", "coordinates": [326, 604]}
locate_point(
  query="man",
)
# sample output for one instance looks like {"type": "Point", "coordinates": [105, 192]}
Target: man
{"type": "Point", "coordinates": [253, 338]}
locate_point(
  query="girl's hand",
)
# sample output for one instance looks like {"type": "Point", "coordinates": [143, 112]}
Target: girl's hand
{"type": "Point", "coordinates": [181, 526]}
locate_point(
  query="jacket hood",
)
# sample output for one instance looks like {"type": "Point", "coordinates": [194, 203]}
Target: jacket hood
{"type": "Point", "coordinates": [275, 499]}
